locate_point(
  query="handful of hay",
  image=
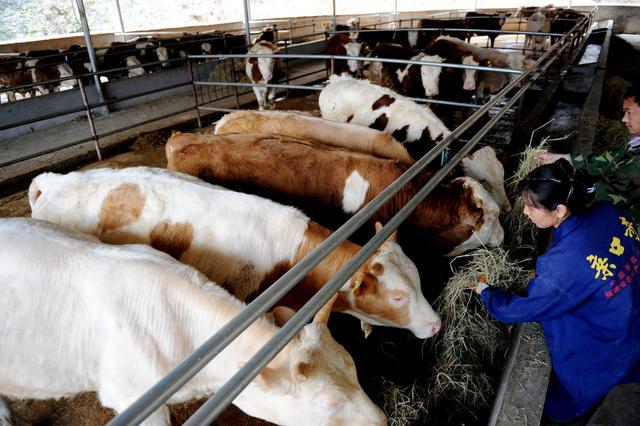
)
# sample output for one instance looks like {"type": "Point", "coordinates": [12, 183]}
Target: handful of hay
{"type": "Point", "coordinates": [470, 338]}
{"type": "Point", "coordinates": [517, 222]}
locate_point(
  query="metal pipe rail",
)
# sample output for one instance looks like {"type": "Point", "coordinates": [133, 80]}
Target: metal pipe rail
{"type": "Point", "coordinates": [182, 373]}
{"type": "Point", "coordinates": [351, 58]}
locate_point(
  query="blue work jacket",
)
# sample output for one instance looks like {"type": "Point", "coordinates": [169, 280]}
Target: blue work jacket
{"type": "Point", "coordinates": [586, 296]}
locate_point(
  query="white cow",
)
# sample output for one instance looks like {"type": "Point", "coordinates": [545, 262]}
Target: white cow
{"type": "Point", "coordinates": [78, 315]}
{"type": "Point", "coordinates": [241, 241]}
{"type": "Point", "coordinates": [355, 101]}
{"type": "Point", "coordinates": [344, 135]}
{"type": "Point", "coordinates": [263, 71]}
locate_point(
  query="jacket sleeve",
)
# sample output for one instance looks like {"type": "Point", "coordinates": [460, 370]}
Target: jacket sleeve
{"type": "Point", "coordinates": [601, 164]}
{"type": "Point", "coordinates": [544, 300]}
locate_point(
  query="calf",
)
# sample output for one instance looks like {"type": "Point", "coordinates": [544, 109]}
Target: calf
{"type": "Point", "coordinates": [455, 217]}
{"type": "Point", "coordinates": [349, 136]}
{"type": "Point", "coordinates": [406, 79]}
{"type": "Point", "coordinates": [343, 45]}
{"type": "Point", "coordinates": [476, 22]}
{"type": "Point", "coordinates": [81, 316]}
{"type": "Point", "coordinates": [538, 23]}
{"type": "Point", "coordinates": [354, 101]}
{"type": "Point", "coordinates": [263, 71]}
{"type": "Point", "coordinates": [243, 242]}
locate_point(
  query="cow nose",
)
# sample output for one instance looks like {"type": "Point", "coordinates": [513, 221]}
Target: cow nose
{"type": "Point", "coordinates": [436, 327]}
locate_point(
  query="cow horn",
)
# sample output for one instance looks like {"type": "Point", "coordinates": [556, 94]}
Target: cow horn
{"type": "Point", "coordinates": [322, 316]}
{"type": "Point", "coordinates": [393, 235]}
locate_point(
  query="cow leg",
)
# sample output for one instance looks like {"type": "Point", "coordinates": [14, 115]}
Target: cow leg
{"type": "Point", "coordinates": [272, 98]}
{"type": "Point", "coordinates": [5, 414]}
{"type": "Point", "coordinates": [260, 97]}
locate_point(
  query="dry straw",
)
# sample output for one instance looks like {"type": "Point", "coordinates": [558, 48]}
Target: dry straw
{"type": "Point", "coordinates": [472, 343]}
{"type": "Point", "coordinates": [519, 226]}
{"type": "Point", "coordinates": [403, 405]}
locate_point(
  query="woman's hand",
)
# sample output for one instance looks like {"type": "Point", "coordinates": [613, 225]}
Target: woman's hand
{"type": "Point", "coordinates": [550, 157]}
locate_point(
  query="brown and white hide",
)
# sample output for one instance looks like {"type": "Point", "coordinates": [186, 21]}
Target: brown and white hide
{"type": "Point", "coordinates": [263, 70]}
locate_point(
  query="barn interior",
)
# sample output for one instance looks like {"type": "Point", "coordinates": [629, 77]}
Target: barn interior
{"type": "Point", "coordinates": [570, 98]}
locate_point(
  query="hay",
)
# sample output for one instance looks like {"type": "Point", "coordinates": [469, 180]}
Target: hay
{"type": "Point", "coordinates": [520, 227]}
{"type": "Point", "coordinates": [403, 405]}
{"type": "Point", "coordinates": [472, 342]}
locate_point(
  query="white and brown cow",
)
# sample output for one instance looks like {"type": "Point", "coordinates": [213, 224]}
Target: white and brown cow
{"type": "Point", "coordinates": [349, 136]}
{"type": "Point", "coordinates": [349, 100]}
{"type": "Point", "coordinates": [406, 79]}
{"type": "Point", "coordinates": [241, 241]}
{"type": "Point", "coordinates": [79, 316]}
{"type": "Point", "coordinates": [343, 45]}
{"type": "Point", "coordinates": [457, 216]}
{"type": "Point", "coordinates": [263, 71]}
{"type": "Point", "coordinates": [541, 23]}
{"type": "Point", "coordinates": [482, 165]}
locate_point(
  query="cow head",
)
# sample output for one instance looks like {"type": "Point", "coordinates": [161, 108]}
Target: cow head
{"type": "Point", "coordinates": [163, 56]}
{"type": "Point", "coordinates": [487, 231]}
{"type": "Point", "coordinates": [483, 166]}
{"type": "Point", "coordinates": [386, 291]}
{"type": "Point", "coordinates": [430, 75]}
{"type": "Point", "coordinates": [470, 75]}
{"type": "Point", "coordinates": [353, 49]}
{"type": "Point", "coordinates": [313, 381]}
{"type": "Point", "coordinates": [260, 70]}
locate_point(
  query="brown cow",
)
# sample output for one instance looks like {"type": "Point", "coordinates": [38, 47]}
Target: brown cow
{"type": "Point", "coordinates": [460, 215]}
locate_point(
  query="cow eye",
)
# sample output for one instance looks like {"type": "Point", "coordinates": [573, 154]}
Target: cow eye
{"type": "Point", "coordinates": [397, 300]}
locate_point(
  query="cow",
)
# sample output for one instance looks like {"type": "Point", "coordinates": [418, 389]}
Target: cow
{"type": "Point", "coordinates": [241, 241]}
{"type": "Point", "coordinates": [455, 217]}
{"type": "Point", "coordinates": [452, 27]}
{"type": "Point", "coordinates": [476, 22]}
{"type": "Point", "coordinates": [483, 83]}
{"type": "Point", "coordinates": [539, 23]}
{"type": "Point", "coordinates": [349, 136]}
{"type": "Point", "coordinates": [268, 33]}
{"type": "Point", "coordinates": [42, 66]}
{"type": "Point", "coordinates": [263, 71]}
{"type": "Point", "coordinates": [409, 80]}
{"type": "Point", "coordinates": [482, 165]}
{"type": "Point", "coordinates": [343, 45]}
{"type": "Point", "coordinates": [116, 319]}
{"type": "Point", "coordinates": [349, 100]}
{"type": "Point", "coordinates": [370, 37]}
{"type": "Point", "coordinates": [119, 60]}
{"type": "Point", "coordinates": [12, 74]}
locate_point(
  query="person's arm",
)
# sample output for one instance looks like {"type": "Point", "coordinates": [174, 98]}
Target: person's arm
{"type": "Point", "coordinates": [601, 164]}
{"type": "Point", "coordinates": [544, 301]}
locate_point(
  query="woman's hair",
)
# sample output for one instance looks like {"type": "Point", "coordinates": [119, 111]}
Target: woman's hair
{"type": "Point", "coordinates": [553, 184]}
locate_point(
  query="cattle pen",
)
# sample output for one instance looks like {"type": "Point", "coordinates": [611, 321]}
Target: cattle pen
{"type": "Point", "coordinates": [208, 85]}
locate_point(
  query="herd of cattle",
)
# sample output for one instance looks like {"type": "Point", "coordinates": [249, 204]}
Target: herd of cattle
{"type": "Point", "coordinates": [141, 56]}
{"type": "Point", "coordinates": [441, 42]}
{"type": "Point", "coordinates": [182, 255]}
{"type": "Point", "coordinates": [33, 71]}
{"type": "Point", "coordinates": [131, 270]}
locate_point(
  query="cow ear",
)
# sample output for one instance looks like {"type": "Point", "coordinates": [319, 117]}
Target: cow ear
{"type": "Point", "coordinates": [282, 314]}
{"type": "Point", "coordinates": [376, 269]}
{"type": "Point", "coordinates": [300, 370]}
{"type": "Point", "coordinates": [271, 379]}
{"type": "Point", "coordinates": [322, 316]}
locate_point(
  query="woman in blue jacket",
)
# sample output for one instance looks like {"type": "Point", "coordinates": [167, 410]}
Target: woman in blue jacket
{"type": "Point", "coordinates": [585, 293]}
